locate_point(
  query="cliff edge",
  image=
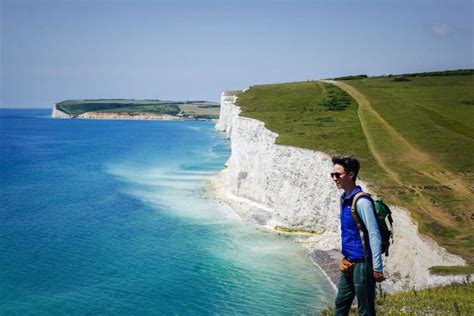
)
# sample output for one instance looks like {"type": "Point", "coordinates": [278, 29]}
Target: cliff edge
{"type": "Point", "coordinates": [114, 116]}
{"type": "Point", "coordinates": [269, 185]}
{"type": "Point", "coordinates": [132, 109]}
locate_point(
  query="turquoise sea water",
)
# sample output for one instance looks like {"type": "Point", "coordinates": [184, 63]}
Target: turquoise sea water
{"type": "Point", "coordinates": [113, 218]}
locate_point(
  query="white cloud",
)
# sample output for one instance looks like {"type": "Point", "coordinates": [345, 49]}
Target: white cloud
{"type": "Point", "coordinates": [441, 29]}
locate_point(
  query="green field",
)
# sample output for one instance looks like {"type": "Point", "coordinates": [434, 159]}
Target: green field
{"type": "Point", "coordinates": [413, 136]}
{"type": "Point", "coordinates": [187, 109]}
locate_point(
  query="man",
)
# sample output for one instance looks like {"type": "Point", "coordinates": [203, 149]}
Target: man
{"type": "Point", "coordinates": [362, 265]}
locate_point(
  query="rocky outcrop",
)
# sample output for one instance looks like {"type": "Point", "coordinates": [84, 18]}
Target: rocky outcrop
{"type": "Point", "coordinates": [269, 184]}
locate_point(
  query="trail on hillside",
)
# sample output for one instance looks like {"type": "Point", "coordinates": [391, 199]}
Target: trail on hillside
{"type": "Point", "coordinates": [364, 106]}
{"type": "Point", "coordinates": [409, 156]}
{"type": "Point", "coordinates": [367, 112]}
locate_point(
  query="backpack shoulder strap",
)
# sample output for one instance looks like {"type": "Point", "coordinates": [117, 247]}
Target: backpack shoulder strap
{"type": "Point", "coordinates": [355, 215]}
{"type": "Point", "coordinates": [357, 220]}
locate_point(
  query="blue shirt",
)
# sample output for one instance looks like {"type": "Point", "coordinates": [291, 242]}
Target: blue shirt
{"type": "Point", "coordinates": [351, 243]}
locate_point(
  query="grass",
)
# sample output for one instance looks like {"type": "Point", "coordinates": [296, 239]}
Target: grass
{"type": "Point", "coordinates": [414, 139]}
{"type": "Point", "coordinates": [297, 112]}
{"type": "Point", "coordinates": [201, 111]}
{"type": "Point", "coordinates": [455, 299]}
{"type": "Point", "coordinates": [196, 109]}
{"type": "Point", "coordinates": [295, 230]}
{"type": "Point", "coordinates": [432, 157]}
{"type": "Point", "coordinates": [452, 270]}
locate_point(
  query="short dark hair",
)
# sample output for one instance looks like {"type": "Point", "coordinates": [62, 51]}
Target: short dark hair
{"type": "Point", "coordinates": [349, 163]}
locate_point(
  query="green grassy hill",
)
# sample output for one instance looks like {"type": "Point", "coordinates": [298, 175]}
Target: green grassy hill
{"type": "Point", "coordinates": [196, 109]}
{"type": "Point", "coordinates": [413, 135]}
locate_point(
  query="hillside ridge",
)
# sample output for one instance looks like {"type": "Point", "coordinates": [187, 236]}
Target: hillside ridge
{"type": "Point", "coordinates": [411, 158]}
{"type": "Point", "coordinates": [135, 109]}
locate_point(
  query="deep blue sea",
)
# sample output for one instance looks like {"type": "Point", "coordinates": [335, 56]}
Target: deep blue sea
{"type": "Point", "coordinates": [115, 218]}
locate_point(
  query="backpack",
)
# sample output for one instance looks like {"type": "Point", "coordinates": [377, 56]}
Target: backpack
{"type": "Point", "coordinates": [383, 215]}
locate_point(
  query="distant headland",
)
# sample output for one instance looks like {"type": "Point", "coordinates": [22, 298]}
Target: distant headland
{"type": "Point", "coordinates": [131, 109]}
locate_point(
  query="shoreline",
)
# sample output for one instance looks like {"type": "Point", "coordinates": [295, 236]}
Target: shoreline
{"type": "Point", "coordinates": [138, 119]}
{"type": "Point", "coordinates": [133, 116]}
{"type": "Point", "coordinates": [291, 187]}
{"type": "Point", "coordinates": [323, 250]}
{"type": "Point", "coordinates": [318, 247]}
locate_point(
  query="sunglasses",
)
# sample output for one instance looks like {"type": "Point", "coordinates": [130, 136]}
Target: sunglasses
{"type": "Point", "coordinates": [337, 175]}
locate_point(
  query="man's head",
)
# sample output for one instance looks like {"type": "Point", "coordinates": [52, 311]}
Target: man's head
{"type": "Point", "coordinates": [345, 170]}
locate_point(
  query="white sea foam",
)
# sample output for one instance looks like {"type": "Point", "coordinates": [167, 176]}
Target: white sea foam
{"type": "Point", "coordinates": [174, 189]}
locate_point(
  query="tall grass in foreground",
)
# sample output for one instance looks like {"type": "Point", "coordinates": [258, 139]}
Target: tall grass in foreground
{"type": "Point", "coordinates": [456, 299]}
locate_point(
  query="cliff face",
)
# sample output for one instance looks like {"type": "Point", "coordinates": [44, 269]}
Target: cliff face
{"type": "Point", "coordinates": [126, 116]}
{"type": "Point", "coordinates": [59, 114]}
{"type": "Point", "coordinates": [114, 116]}
{"type": "Point", "coordinates": [293, 182]}
{"type": "Point", "coordinates": [270, 185]}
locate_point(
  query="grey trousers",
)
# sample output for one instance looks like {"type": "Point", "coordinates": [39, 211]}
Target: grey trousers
{"type": "Point", "coordinates": [359, 283]}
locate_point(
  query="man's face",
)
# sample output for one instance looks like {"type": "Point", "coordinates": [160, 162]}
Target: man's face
{"type": "Point", "coordinates": [340, 177]}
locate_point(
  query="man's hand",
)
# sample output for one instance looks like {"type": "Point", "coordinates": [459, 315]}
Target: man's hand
{"type": "Point", "coordinates": [378, 276]}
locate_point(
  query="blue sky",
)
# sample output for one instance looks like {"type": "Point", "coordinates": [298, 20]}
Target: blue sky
{"type": "Point", "coordinates": [53, 50]}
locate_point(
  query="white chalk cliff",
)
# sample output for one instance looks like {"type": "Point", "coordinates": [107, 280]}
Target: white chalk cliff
{"type": "Point", "coordinates": [114, 115]}
{"type": "Point", "coordinates": [271, 184]}
{"type": "Point", "coordinates": [59, 114]}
